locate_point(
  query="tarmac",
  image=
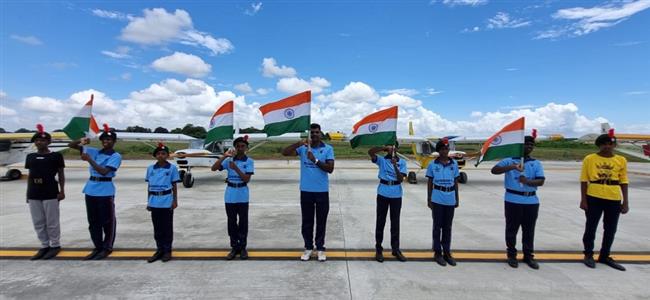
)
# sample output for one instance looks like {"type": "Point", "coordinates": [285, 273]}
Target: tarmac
{"type": "Point", "coordinates": [274, 271]}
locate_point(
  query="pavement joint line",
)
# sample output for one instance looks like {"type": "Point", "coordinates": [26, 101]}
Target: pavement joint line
{"type": "Point", "coordinates": [638, 257]}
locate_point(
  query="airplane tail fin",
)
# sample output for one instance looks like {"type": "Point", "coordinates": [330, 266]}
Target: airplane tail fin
{"type": "Point", "coordinates": [414, 148]}
{"type": "Point", "coordinates": [411, 131]}
{"type": "Point", "coordinates": [604, 128]}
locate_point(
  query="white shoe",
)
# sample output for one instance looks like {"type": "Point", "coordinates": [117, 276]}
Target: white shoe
{"type": "Point", "coordinates": [321, 256]}
{"type": "Point", "coordinates": [306, 255]}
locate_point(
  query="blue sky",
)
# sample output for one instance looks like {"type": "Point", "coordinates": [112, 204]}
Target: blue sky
{"type": "Point", "coordinates": [454, 66]}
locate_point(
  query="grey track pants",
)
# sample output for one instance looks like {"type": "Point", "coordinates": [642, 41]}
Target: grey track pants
{"type": "Point", "coordinates": [45, 216]}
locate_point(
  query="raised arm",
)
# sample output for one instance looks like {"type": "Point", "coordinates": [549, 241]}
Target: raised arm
{"type": "Point", "coordinates": [291, 149]}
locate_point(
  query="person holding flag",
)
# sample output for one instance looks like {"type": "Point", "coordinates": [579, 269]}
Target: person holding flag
{"type": "Point", "coordinates": [442, 199]}
{"type": "Point", "coordinates": [100, 191]}
{"type": "Point", "coordinates": [380, 128]}
{"type": "Point", "coordinates": [521, 205]}
{"type": "Point", "coordinates": [316, 163]}
{"type": "Point", "coordinates": [604, 191]}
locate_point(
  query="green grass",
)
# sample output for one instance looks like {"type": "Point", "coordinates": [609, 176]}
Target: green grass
{"type": "Point", "coordinates": [547, 150]}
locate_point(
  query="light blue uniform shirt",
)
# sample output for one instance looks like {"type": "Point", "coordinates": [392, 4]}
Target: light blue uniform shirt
{"type": "Point", "coordinates": [532, 170]}
{"type": "Point", "coordinates": [443, 175]}
{"type": "Point", "coordinates": [237, 194]}
{"type": "Point", "coordinates": [387, 172]}
{"type": "Point", "coordinates": [313, 178]}
{"type": "Point", "coordinates": [161, 179]}
{"type": "Point", "coordinates": [110, 160]}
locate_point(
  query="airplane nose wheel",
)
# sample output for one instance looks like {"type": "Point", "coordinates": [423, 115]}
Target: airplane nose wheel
{"type": "Point", "coordinates": [463, 178]}
{"type": "Point", "coordinates": [188, 180]}
{"type": "Point", "coordinates": [13, 174]}
{"type": "Point", "coordinates": [411, 178]}
{"type": "Point", "coordinates": [181, 174]}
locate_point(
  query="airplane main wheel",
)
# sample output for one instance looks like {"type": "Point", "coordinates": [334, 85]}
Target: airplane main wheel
{"type": "Point", "coordinates": [463, 177]}
{"type": "Point", "coordinates": [13, 174]}
{"type": "Point", "coordinates": [411, 178]}
{"type": "Point", "coordinates": [188, 180]}
{"type": "Point", "coordinates": [181, 174]}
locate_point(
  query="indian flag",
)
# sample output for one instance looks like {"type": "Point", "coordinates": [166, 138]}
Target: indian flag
{"type": "Point", "coordinates": [508, 142]}
{"type": "Point", "coordinates": [83, 124]}
{"type": "Point", "coordinates": [221, 124]}
{"type": "Point", "coordinates": [376, 129]}
{"type": "Point", "coordinates": [287, 115]}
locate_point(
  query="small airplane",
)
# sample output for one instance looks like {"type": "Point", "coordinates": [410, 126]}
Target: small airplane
{"type": "Point", "coordinates": [636, 139]}
{"type": "Point", "coordinates": [14, 147]}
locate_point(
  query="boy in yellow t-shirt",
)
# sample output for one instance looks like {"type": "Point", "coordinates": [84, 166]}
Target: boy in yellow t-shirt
{"type": "Point", "coordinates": [603, 186]}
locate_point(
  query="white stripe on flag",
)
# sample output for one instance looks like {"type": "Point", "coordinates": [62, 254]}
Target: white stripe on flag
{"type": "Point", "coordinates": [221, 120]}
{"type": "Point", "coordinates": [508, 137]}
{"type": "Point", "coordinates": [286, 114]}
{"type": "Point", "coordinates": [377, 127]}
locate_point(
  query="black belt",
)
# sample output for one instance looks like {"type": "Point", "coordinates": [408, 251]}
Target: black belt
{"type": "Point", "coordinates": [237, 185]}
{"type": "Point", "coordinates": [527, 194]}
{"type": "Point", "coordinates": [389, 182]}
{"type": "Point", "coordinates": [444, 188]}
{"type": "Point", "coordinates": [162, 193]}
{"type": "Point", "coordinates": [95, 178]}
{"type": "Point", "coordinates": [606, 182]}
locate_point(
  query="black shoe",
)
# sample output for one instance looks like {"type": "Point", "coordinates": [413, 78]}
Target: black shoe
{"type": "Point", "coordinates": [398, 254]}
{"type": "Point", "coordinates": [439, 259]}
{"type": "Point", "coordinates": [449, 259]}
{"type": "Point", "coordinates": [232, 254]}
{"type": "Point", "coordinates": [156, 256]}
{"type": "Point", "coordinates": [379, 255]}
{"type": "Point", "coordinates": [611, 262]}
{"type": "Point", "coordinates": [167, 256]}
{"type": "Point", "coordinates": [243, 255]}
{"type": "Point", "coordinates": [92, 254]}
{"type": "Point", "coordinates": [589, 261]}
{"type": "Point", "coordinates": [102, 254]}
{"type": "Point", "coordinates": [512, 262]}
{"type": "Point", "coordinates": [41, 252]}
{"type": "Point", "coordinates": [52, 253]}
{"type": "Point", "coordinates": [532, 263]}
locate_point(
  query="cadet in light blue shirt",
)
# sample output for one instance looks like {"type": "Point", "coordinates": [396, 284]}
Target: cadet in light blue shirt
{"type": "Point", "coordinates": [240, 168]}
{"type": "Point", "coordinates": [100, 191]}
{"type": "Point", "coordinates": [442, 198]}
{"type": "Point", "coordinates": [316, 163]}
{"type": "Point", "coordinates": [521, 202]}
{"type": "Point", "coordinates": [392, 171]}
{"type": "Point", "coordinates": [162, 200]}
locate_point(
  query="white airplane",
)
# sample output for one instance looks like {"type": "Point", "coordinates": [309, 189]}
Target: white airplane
{"type": "Point", "coordinates": [14, 147]}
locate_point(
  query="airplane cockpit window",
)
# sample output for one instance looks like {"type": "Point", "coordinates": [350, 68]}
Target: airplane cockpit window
{"type": "Point", "coordinates": [214, 147]}
{"type": "Point", "coordinates": [5, 146]}
{"type": "Point", "coordinates": [427, 148]}
{"type": "Point", "coordinates": [196, 144]}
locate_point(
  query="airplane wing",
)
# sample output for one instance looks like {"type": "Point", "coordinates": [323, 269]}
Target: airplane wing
{"type": "Point", "coordinates": [154, 137]}
{"type": "Point", "coordinates": [27, 136]}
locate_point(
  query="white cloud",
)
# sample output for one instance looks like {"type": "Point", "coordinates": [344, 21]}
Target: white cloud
{"type": "Point", "coordinates": [635, 93]}
{"type": "Point", "coordinates": [589, 20]}
{"type": "Point", "coordinates": [43, 104]}
{"type": "Point", "coordinates": [512, 69]}
{"type": "Point", "coordinates": [6, 111]}
{"type": "Point", "coordinates": [402, 91]}
{"type": "Point", "coordinates": [254, 9]}
{"type": "Point", "coordinates": [293, 85]}
{"type": "Point", "coordinates": [461, 2]}
{"type": "Point", "coordinates": [111, 14]}
{"type": "Point", "coordinates": [29, 40]}
{"type": "Point", "coordinates": [400, 100]}
{"type": "Point", "coordinates": [2, 95]}
{"type": "Point", "coordinates": [473, 29]}
{"type": "Point", "coordinates": [126, 76]}
{"type": "Point", "coordinates": [263, 91]}
{"type": "Point", "coordinates": [270, 68]}
{"type": "Point", "coordinates": [503, 20]}
{"type": "Point", "coordinates": [119, 52]}
{"type": "Point", "coordinates": [244, 88]}
{"type": "Point", "coordinates": [432, 91]}
{"type": "Point", "coordinates": [182, 63]}
{"type": "Point", "coordinates": [158, 27]}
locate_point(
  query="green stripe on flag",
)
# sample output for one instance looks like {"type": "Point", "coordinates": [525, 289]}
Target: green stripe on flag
{"type": "Point", "coordinates": [496, 152]}
{"type": "Point", "coordinates": [219, 133]}
{"type": "Point", "coordinates": [375, 139]}
{"type": "Point", "coordinates": [296, 125]}
{"type": "Point", "coordinates": [77, 128]}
